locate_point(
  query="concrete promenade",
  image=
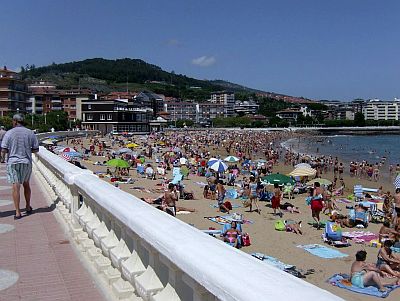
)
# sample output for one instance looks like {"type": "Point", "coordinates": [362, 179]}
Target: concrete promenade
{"type": "Point", "coordinates": [37, 261]}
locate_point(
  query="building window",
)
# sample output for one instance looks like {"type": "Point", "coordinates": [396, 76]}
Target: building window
{"type": "Point", "coordinates": [89, 107]}
{"type": "Point", "coordinates": [89, 116]}
{"type": "Point", "coordinates": [109, 116]}
{"type": "Point", "coordinates": [102, 117]}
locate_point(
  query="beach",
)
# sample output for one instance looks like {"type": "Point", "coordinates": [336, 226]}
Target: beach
{"type": "Point", "coordinates": [264, 238]}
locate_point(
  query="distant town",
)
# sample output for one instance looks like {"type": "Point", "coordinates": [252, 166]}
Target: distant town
{"type": "Point", "coordinates": [145, 111]}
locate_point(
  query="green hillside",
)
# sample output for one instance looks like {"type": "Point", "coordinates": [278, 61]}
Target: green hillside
{"type": "Point", "coordinates": [108, 75]}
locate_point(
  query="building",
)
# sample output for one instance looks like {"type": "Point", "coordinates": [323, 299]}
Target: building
{"type": "Point", "coordinates": [115, 116]}
{"type": "Point", "coordinates": [179, 110]}
{"type": "Point", "coordinates": [225, 98]}
{"type": "Point", "coordinates": [376, 109]}
{"type": "Point", "coordinates": [13, 92]}
{"type": "Point", "coordinates": [293, 114]}
{"type": "Point", "coordinates": [151, 100]}
{"type": "Point", "coordinates": [40, 93]}
{"type": "Point", "coordinates": [246, 107]}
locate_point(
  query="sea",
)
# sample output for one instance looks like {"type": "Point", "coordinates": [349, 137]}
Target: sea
{"type": "Point", "coordinates": [372, 148]}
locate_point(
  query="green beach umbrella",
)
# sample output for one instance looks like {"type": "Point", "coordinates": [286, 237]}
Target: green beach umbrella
{"type": "Point", "coordinates": [231, 159]}
{"type": "Point", "coordinates": [117, 163]}
{"type": "Point", "coordinates": [277, 178]}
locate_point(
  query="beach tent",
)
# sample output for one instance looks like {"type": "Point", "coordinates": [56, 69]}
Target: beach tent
{"type": "Point", "coordinates": [321, 181]}
{"type": "Point", "coordinates": [277, 178]}
{"type": "Point", "coordinates": [303, 171]}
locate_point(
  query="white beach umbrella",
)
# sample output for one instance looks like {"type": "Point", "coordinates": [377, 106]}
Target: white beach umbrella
{"type": "Point", "coordinates": [302, 165]}
{"type": "Point", "coordinates": [303, 171]}
{"type": "Point", "coordinates": [217, 165]}
{"type": "Point", "coordinates": [231, 159]}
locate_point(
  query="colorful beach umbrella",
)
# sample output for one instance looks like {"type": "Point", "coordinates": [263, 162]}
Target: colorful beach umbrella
{"type": "Point", "coordinates": [321, 181]}
{"type": "Point", "coordinates": [117, 163]}
{"type": "Point", "coordinates": [303, 171]}
{"type": "Point", "coordinates": [65, 157]}
{"type": "Point", "coordinates": [231, 159]}
{"type": "Point", "coordinates": [132, 145]}
{"type": "Point", "coordinates": [217, 165]}
{"type": "Point", "coordinates": [277, 178]}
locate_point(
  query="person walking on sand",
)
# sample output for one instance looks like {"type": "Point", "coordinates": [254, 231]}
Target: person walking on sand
{"type": "Point", "coordinates": [254, 195]}
{"type": "Point", "coordinates": [317, 203]}
{"type": "Point", "coordinates": [19, 143]}
{"type": "Point", "coordinates": [276, 200]}
{"type": "Point", "coordinates": [221, 196]}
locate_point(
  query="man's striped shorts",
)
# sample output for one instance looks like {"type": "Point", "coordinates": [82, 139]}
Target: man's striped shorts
{"type": "Point", "coordinates": [18, 173]}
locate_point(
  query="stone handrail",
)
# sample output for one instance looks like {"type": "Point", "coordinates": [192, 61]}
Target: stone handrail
{"type": "Point", "coordinates": [155, 255]}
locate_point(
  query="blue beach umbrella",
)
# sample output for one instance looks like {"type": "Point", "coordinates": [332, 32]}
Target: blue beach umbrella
{"type": "Point", "coordinates": [73, 154]}
{"type": "Point", "coordinates": [217, 165]}
{"type": "Point", "coordinates": [396, 182]}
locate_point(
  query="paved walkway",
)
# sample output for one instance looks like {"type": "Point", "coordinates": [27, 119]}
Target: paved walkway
{"type": "Point", "coordinates": [39, 252]}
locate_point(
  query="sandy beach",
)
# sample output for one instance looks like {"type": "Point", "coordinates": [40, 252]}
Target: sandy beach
{"type": "Point", "coordinates": [264, 238]}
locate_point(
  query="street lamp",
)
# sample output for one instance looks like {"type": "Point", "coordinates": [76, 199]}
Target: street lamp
{"type": "Point", "coordinates": [45, 119]}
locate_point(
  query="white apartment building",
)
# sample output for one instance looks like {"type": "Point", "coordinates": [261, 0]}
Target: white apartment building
{"type": "Point", "coordinates": [376, 109]}
{"type": "Point", "coordinates": [224, 98]}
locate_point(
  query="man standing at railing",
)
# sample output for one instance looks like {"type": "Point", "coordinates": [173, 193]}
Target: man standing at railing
{"type": "Point", "coordinates": [19, 143]}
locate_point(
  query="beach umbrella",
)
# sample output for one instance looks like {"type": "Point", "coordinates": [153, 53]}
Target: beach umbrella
{"type": "Point", "coordinates": [117, 163]}
{"type": "Point", "coordinates": [262, 161]}
{"type": "Point", "coordinates": [132, 145]}
{"type": "Point", "coordinates": [124, 151]}
{"type": "Point", "coordinates": [217, 165]}
{"type": "Point", "coordinates": [183, 161]}
{"type": "Point", "coordinates": [303, 171]}
{"type": "Point", "coordinates": [184, 171]}
{"type": "Point", "coordinates": [231, 159]}
{"type": "Point", "coordinates": [396, 182]}
{"type": "Point", "coordinates": [277, 178]}
{"type": "Point", "coordinates": [321, 181]}
{"type": "Point", "coordinates": [302, 165]}
{"type": "Point", "coordinates": [48, 142]}
{"type": "Point", "coordinates": [73, 154]}
{"type": "Point", "coordinates": [66, 149]}
{"type": "Point", "coordinates": [65, 157]}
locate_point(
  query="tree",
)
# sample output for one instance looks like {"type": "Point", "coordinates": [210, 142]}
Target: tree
{"type": "Point", "coordinates": [359, 119]}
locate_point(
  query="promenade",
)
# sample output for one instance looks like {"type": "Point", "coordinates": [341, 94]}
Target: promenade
{"type": "Point", "coordinates": [37, 261]}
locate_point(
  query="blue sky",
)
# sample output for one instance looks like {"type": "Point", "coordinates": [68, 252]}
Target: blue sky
{"type": "Point", "coordinates": [320, 49]}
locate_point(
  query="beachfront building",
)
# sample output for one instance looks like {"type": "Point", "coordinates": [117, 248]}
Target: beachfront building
{"type": "Point", "coordinates": [246, 107]}
{"type": "Point", "coordinates": [376, 109]}
{"type": "Point", "coordinates": [146, 99]}
{"type": "Point", "coordinates": [115, 116]}
{"type": "Point", "coordinates": [13, 92]}
{"type": "Point", "coordinates": [181, 110]}
{"type": "Point", "coordinates": [225, 98]}
{"type": "Point", "coordinates": [292, 114]}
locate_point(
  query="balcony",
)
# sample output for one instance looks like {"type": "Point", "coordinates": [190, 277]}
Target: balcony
{"type": "Point", "coordinates": [146, 253]}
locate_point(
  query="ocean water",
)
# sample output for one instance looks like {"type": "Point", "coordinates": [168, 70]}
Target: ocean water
{"type": "Point", "coordinates": [373, 149]}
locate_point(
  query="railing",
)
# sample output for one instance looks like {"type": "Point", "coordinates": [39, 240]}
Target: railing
{"type": "Point", "coordinates": [142, 250]}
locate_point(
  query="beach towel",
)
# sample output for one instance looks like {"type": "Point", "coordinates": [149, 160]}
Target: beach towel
{"type": "Point", "coordinates": [272, 261]}
{"type": "Point", "coordinates": [343, 281]}
{"type": "Point", "coordinates": [343, 201]}
{"type": "Point", "coordinates": [226, 219]}
{"type": "Point", "coordinates": [360, 236]}
{"type": "Point", "coordinates": [314, 224]}
{"type": "Point", "coordinates": [233, 206]}
{"type": "Point", "coordinates": [322, 251]}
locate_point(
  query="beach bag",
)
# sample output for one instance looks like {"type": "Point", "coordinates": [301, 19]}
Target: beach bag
{"type": "Point", "coordinates": [246, 203]}
{"type": "Point", "coordinates": [280, 225]}
{"type": "Point", "coordinates": [333, 231]}
{"type": "Point", "coordinates": [228, 205]}
{"type": "Point", "coordinates": [246, 240]}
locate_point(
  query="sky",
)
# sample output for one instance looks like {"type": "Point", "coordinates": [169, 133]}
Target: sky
{"type": "Point", "coordinates": [319, 49]}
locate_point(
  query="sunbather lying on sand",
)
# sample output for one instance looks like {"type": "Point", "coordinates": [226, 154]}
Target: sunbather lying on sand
{"type": "Point", "coordinates": [292, 226]}
{"type": "Point", "coordinates": [231, 235]}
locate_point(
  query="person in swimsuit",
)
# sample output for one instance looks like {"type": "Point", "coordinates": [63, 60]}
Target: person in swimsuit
{"type": "Point", "coordinates": [364, 274]}
{"type": "Point", "coordinates": [221, 196]}
{"type": "Point", "coordinates": [397, 205]}
{"type": "Point", "coordinates": [276, 200]}
{"type": "Point", "coordinates": [231, 235]}
{"type": "Point", "coordinates": [386, 261]}
{"type": "Point", "coordinates": [170, 199]}
{"type": "Point", "coordinates": [254, 195]}
{"type": "Point", "coordinates": [317, 203]}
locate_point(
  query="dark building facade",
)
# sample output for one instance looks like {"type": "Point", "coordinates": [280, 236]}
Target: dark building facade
{"type": "Point", "coordinates": [115, 116]}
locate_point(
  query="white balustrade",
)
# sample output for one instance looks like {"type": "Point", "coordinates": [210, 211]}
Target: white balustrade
{"type": "Point", "coordinates": [168, 258]}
